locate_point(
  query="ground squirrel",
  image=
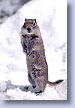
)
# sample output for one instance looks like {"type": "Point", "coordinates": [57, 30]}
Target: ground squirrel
{"type": "Point", "coordinates": [32, 44]}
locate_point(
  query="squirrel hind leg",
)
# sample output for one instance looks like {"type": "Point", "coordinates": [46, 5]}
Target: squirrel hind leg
{"type": "Point", "coordinates": [55, 83]}
{"type": "Point", "coordinates": [39, 92]}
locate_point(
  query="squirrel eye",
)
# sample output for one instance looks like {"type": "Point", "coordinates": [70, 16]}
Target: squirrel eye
{"type": "Point", "coordinates": [24, 25]}
{"type": "Point", "coordinates": [34, 23]}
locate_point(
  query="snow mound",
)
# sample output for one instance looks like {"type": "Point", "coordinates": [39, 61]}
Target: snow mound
{"type": "Point", "coordinates": [49, 15]}
{"type": "Point", "coordinates": [20, 95]}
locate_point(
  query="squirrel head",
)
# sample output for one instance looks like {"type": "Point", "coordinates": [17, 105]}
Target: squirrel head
{"type": "Point", "coordinates": [30, 27]}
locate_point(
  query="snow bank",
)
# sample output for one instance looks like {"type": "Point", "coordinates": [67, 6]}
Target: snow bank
{"type": "Point", "coordinates": [51, 16]}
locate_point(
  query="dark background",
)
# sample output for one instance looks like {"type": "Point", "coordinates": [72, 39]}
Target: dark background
{"type": "Point", "coordinates": [10, 7]}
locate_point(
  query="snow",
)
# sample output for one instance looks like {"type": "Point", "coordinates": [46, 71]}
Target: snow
{"type": "Point", "coordinates": [32, 96]}
{"type": "Point", "coordinates": [51, 16]}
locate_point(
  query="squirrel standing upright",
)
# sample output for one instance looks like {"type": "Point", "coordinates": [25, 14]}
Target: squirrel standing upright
{"type": "Point", "coordinates": [32, 44]}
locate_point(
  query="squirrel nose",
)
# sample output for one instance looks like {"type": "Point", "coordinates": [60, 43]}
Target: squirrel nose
{"type": "Point", "coordinates": [29, 29]}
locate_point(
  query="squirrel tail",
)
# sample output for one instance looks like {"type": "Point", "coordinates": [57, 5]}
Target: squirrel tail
{"type": "Point", "coordinates": [54, 83]}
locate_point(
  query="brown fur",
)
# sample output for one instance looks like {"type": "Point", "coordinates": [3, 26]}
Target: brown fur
{"type": "Point", "coordinates": [32, 44]}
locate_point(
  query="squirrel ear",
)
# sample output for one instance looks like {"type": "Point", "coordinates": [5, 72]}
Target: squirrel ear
{"type": "Point", "coordinates": [25, 19]}
{"type": "Point", "coordinates": [35, 21]}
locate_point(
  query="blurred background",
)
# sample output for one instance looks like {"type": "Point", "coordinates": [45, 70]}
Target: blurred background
{"type": "Point", "coordinates": [10, 7]}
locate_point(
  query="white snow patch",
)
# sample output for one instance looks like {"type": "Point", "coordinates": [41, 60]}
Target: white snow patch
{"type": "Point", "coordinates": [2, 86]}
{"type": "Point", "coordinates": [49, 94]}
